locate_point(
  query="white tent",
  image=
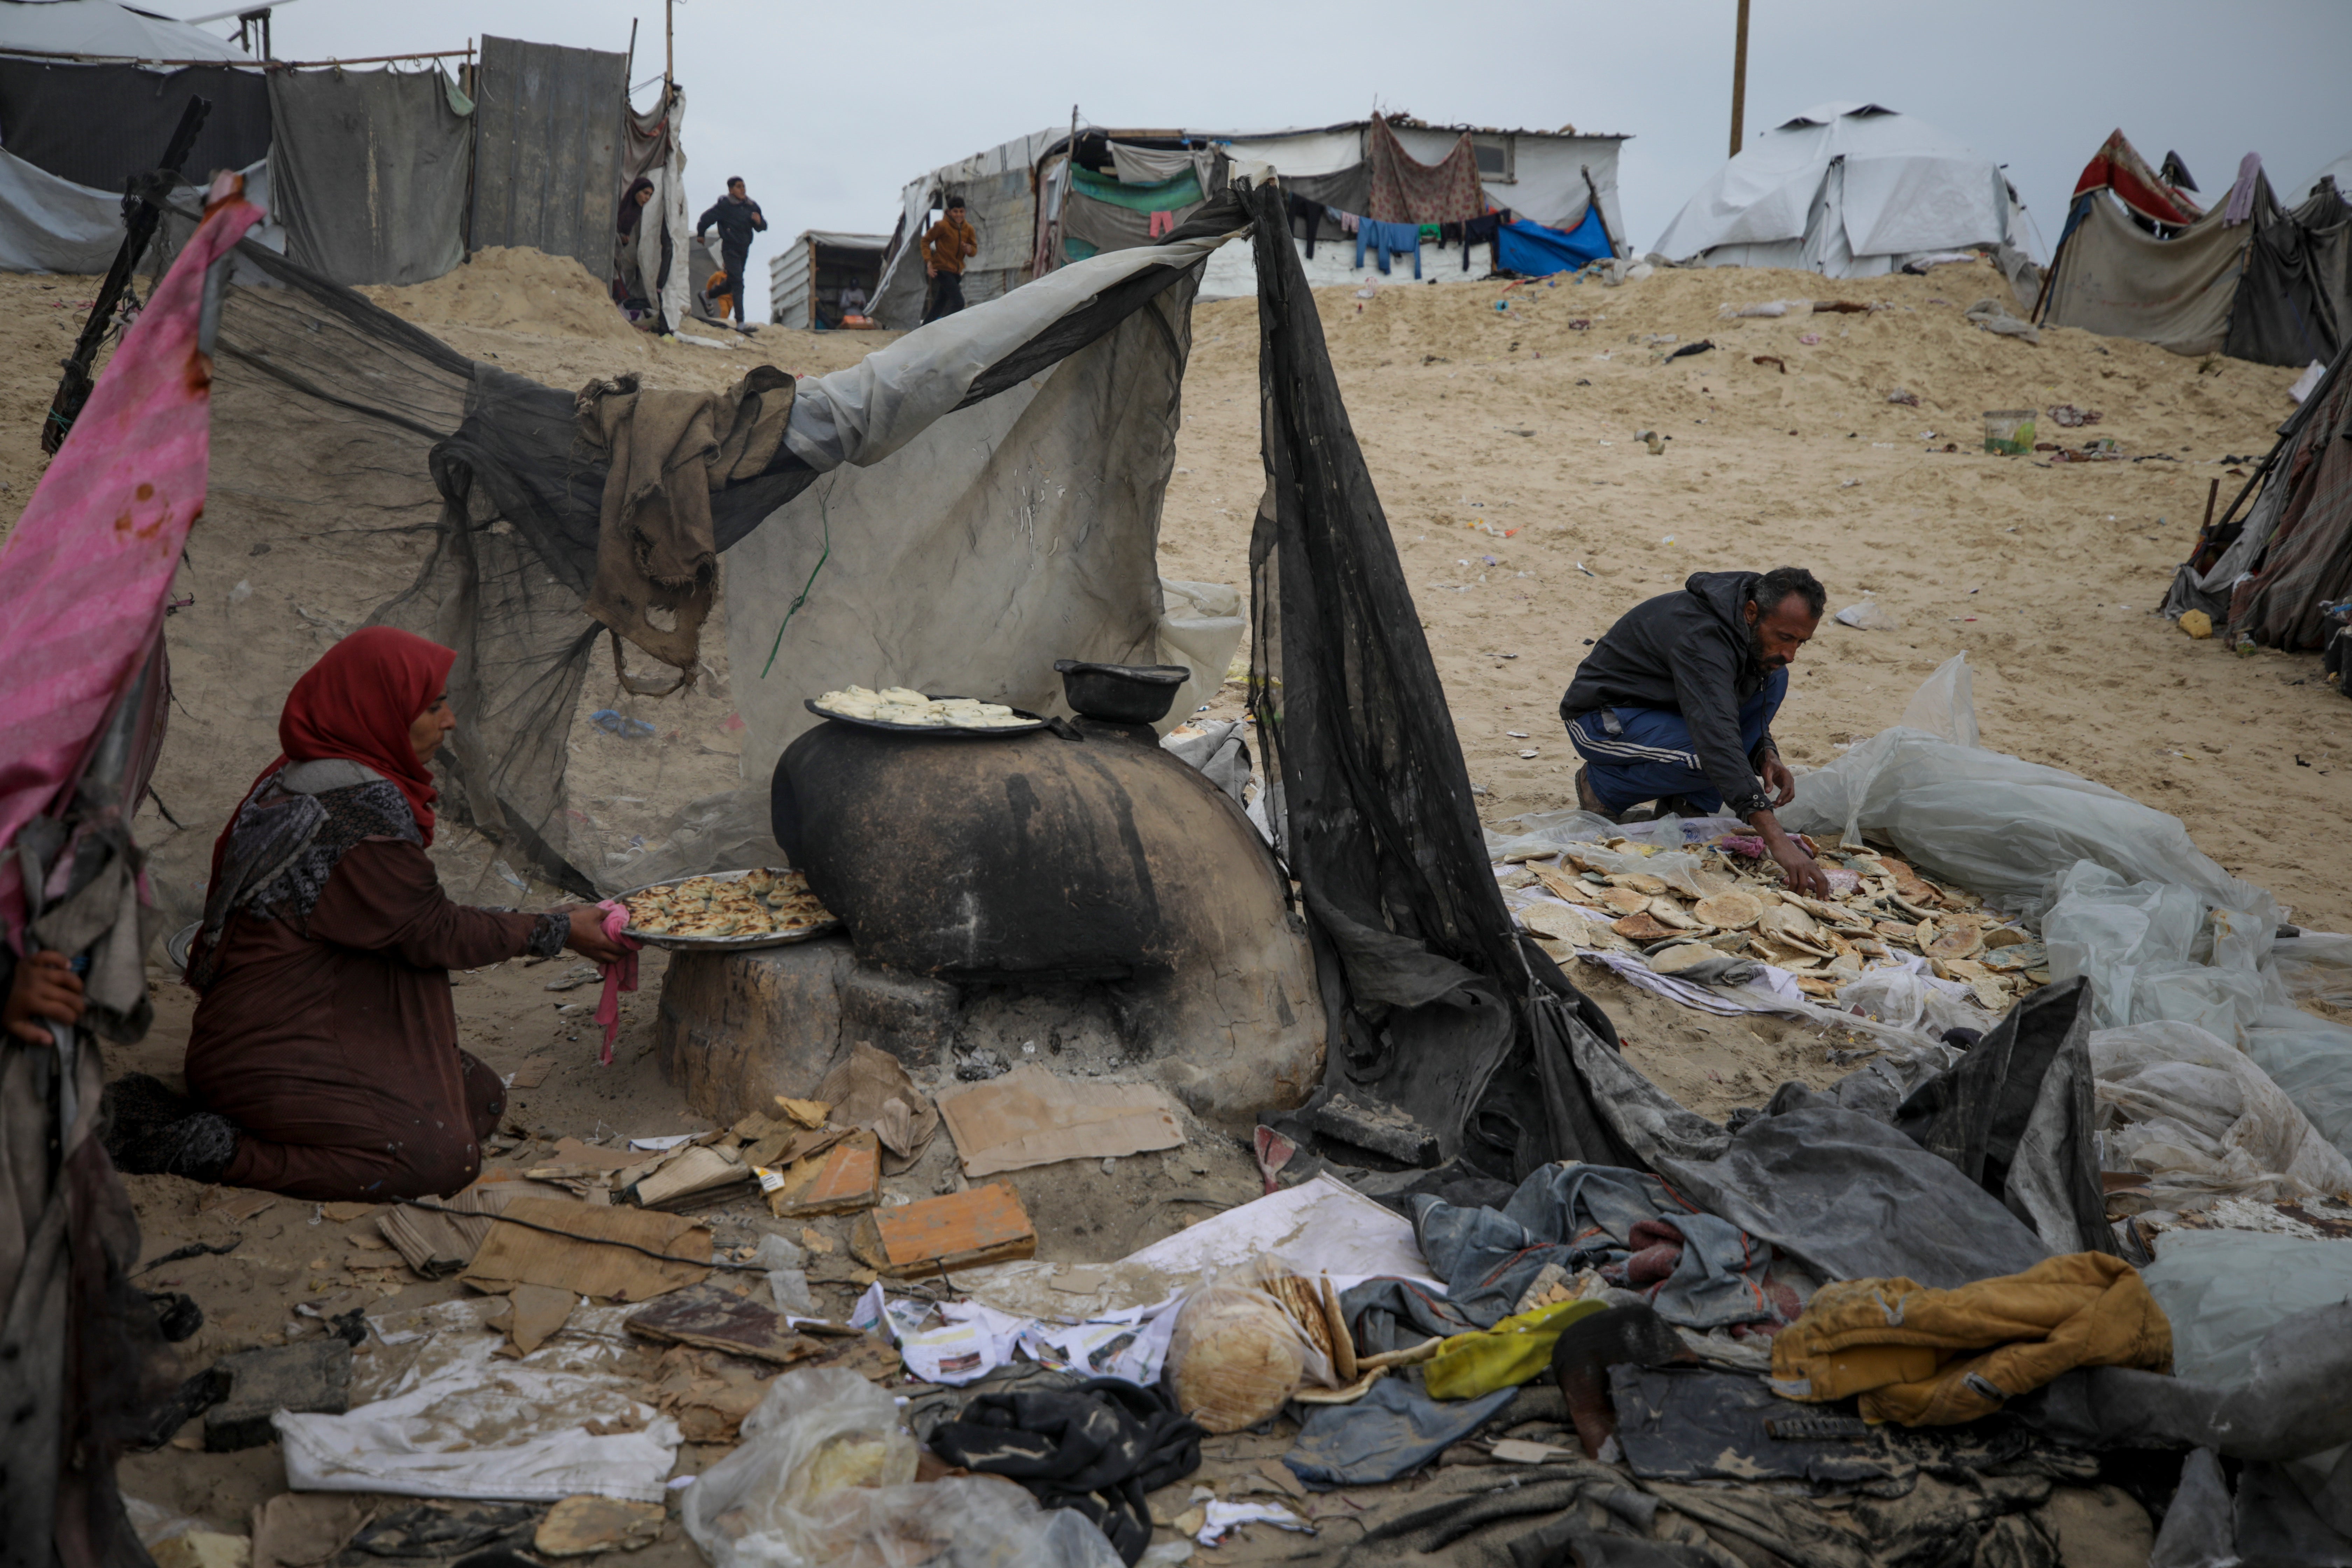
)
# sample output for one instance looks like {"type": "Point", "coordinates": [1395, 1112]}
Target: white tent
{"type": "Point", "coordinates": [101, 29]}
{"type": "Point", "coordinates": [1848, 190]}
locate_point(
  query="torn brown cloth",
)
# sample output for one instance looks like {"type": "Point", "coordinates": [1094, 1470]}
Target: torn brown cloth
{"type": "Point", "coordinates": [82, 1363]}
{"type": "Point", "coordinates": [1406, 191]}
{"type": "Point", "coordinates": [872, 1089]}
{"type": "Point", "coordinates": [667, 452]}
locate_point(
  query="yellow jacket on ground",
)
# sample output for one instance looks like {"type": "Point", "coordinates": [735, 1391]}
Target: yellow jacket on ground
{"type": "Point", "coordinates": [1933, 1358]}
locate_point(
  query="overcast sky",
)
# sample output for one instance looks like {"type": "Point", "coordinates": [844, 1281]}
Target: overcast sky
{"type": "Point", "coordinates": [828, 110]}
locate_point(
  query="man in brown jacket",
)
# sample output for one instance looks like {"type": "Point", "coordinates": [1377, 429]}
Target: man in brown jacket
{"type": "Point", "coordinates": [949, 244]}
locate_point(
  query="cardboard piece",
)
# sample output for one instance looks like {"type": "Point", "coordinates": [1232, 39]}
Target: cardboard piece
{"type": "Point", "coordinates": [711, 1317]}
{"type": "Point", "coordinates": [810, 1113]}
{"type": "Point", "coordinates": [696, 1177]}
{"type": "Point", "coordinates": [439, 1242]}
{"type": "Point", "coordinates": [302, 1530]}
{"type": "Point", "coordinates": [1031, 1116]}
{"type": "Point", "coordinates": [847, 1178]}
{"type": "Point", "coordinates": [512, 1255]}
{"type": "Point", "coordinates": [532, 1316]}
{"type": "Point", "coordinates": [582, 1526]}
{"type": "Point", "coordinates": [859, 1092]}
{"type": "Point", "coordinates": [572, 1152]}
{"type": "Point", "coordinates": [531, 1074]}
{"type": "Point", "coordinates": [962, 1230]}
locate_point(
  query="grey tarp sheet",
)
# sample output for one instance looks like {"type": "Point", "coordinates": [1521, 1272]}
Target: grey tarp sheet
{"type": "Point", "coordinates": [371, 170]}
{"type": "Point", "coordinates": [1026, 527]}
{"type": "Point", "coordinates": [1582, 1216]}
{"type": "Point", "coordinates": [2114, 278]}
{"type": "Point", "coordinates": [1107, 225]}
{"type": "Point", "coordinates": [2294, 305]}
{"type": "Point", "coordinates": [1844, 1194]}
{"type": "Point", "coordinates": [1003, 208]}
{"type": "Point", "coordinates": [49, 225]}
{"type": "Point", "coordinates": [547, 150]}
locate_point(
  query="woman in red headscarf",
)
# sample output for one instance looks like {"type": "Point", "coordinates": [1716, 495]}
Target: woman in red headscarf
{"type": "Point", "coordinates": [324, 1053]}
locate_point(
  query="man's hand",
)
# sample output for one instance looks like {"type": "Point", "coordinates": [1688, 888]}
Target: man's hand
{"type": "Point", "coordinates": [46, 987]}
{"type": "Point", "coordinates": [588, 940]}
{"type": "Point", "coordinates": [1803, 876]}
{"type": "Point", "coordinates": [1779, 779]}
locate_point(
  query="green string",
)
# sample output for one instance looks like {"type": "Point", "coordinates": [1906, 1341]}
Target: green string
{"type": "Point", "coordinates": [794, 607]}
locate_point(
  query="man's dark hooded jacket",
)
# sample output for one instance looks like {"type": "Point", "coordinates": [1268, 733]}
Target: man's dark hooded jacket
{"type": "Point", "coordinates": [1691, 653]}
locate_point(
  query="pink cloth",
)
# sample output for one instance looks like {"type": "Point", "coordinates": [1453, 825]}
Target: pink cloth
{"type": "Point", "coordinates": [618, 977]}
{"type": "Point", "coordinates": [83, 576]}
{"type": "Point", "coordinates": [1162, 224]}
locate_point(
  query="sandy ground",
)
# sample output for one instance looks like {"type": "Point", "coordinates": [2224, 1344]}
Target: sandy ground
{"type": "Point", "coordinates": [1504, 444]}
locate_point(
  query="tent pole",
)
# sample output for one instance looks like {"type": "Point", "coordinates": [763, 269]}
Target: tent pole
{"type": "Point", "coordinates": [1601, 218]}
{"type": "Point", "coordinates": [629, 71]}
{"type": "Point", "coordinates": [1739, 79]}
{"type": "Point", "coordinates": [670, 49]}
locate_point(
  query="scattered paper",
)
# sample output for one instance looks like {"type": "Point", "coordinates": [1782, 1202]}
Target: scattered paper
{"type": "Point", "coordinates": [974, 1341]}
{"type": "Point", "coordinates": [657, 1144]}
{"type": "Point", "coordinates": [1224, 1516]}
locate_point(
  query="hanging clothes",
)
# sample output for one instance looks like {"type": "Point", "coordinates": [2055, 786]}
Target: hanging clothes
{"type": "Point", "coordinates": [1387, 239]}
{"type": "Point", "coordinates": [1306, 218]}
{"type": "Point", "coordinates": [1484, 230]}
{"type": "Point", "coordinates": [1348, 222]}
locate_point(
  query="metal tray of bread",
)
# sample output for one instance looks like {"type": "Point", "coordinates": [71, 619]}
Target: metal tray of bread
{"type": "Point", "coordinates": [790, 914]}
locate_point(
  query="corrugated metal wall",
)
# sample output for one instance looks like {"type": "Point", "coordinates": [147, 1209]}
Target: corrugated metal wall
{"type": "Point", "coordinates": [547, 150]}
{"type": "Point", "coordinates": [788, 278]}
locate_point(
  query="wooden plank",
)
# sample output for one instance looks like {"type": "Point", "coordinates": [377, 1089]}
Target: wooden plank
{"type": "Point", "coordinates": [962, 1230]}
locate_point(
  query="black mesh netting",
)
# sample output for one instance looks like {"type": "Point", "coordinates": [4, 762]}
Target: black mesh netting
{"type": "Point", "coordinates": [1437, 1012]}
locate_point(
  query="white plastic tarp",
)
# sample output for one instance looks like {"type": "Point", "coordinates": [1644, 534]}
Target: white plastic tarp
{"type": "Point", "coordinates": [102, 27]}
{"type": "Point", "coordinates": [48, 224]}
{"type": "Point", "coordinates": [2123, 895]}
{"type": "Point", "coordinates": [1900, 187]}
{"type": "Point", "coordinates": [966, 550]}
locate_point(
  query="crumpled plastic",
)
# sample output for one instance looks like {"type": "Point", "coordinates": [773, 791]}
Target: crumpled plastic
{"type": "Point", "coordinates": [775, 1502]}
{"type": "Point", "coordinates": [2203, 1121]}
{"type": "Point", "coordinates": [2311, 1061]}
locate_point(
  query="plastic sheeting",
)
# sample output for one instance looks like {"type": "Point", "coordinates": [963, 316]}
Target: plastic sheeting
{"type": "Point", "coordinates": [49, 225]}
{"type": "Point", "coordinates": [371, 170]}
{"type": "Point", "coordinates": [2310, 1060]}
{"type": "Point", "coordinates": [2203, 1120]}
{"type": "Point", "coordinates": [1026, 527]}
{"type": "Point", "coordinates": [1847, 189]}
{"type": "Point", "coordinates": [2224, 1289]}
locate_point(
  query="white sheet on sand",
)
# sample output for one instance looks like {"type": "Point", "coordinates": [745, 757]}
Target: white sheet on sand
{"type": "Point", "coordinates": [453, 1421]}
{"type": "Point", "coordinates": [1319, 1226]}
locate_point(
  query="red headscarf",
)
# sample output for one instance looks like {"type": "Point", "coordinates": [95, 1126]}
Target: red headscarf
{"type": "Point", "coordinates": [357, 703]}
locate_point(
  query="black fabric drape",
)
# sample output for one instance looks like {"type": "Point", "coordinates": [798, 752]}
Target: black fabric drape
{"type": "Point", "coordinates": [98, 125]}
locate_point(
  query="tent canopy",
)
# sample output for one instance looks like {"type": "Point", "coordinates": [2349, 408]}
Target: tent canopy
{"type": "Point", "coordinates": [2340, 171]}
{"type": "Point", "coordinates": [103, 28]}
{"type": "Point", "coordinates": [1848, 189]}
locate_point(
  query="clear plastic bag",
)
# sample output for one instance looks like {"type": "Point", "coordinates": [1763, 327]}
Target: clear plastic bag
{"type": "Point", "coordinates": [771, 1503]}
{"type": "Point", "coordinates": [2203, 1121]}
{"type": "Point", "coordinates": [961, 1522]}
{"type": "Point", "coordinates": [1913, 1001]}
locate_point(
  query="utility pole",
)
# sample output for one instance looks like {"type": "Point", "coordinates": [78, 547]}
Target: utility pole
{"type": "Point", "coordinates": [1739, 80]}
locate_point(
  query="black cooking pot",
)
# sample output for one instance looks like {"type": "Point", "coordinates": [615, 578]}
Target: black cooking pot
{"type": "Point", "coordinates": [1123, 693]}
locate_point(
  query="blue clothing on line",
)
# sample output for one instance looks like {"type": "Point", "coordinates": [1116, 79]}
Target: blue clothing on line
{"type": "Point", "coordinates": [1385, 239]}
{"type": "Point", "coordinates": [1634, 754]}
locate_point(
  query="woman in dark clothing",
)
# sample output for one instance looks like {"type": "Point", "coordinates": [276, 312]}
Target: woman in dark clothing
{"type": "Point", "coordinates": [324, 1052]}
{"type": "Point", "coordinates": [629, 285]}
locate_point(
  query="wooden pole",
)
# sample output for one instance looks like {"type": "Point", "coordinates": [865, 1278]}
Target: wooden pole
{"type": "Point", "coordinates": [629, 71]}
{"type": "Point", "coordinates": [669, 50]}
{"type": "Point", "coordinates": [1739, 80]}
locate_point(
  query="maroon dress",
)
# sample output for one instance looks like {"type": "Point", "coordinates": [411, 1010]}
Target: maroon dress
{"type": "Point", "coordinates": [330, 1039]}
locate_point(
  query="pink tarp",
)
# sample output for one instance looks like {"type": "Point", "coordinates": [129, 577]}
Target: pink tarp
{"type": "Point", "coordinates": [83, 576]}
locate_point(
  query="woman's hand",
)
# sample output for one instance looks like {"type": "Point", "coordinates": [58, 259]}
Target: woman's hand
{"type": "Point", "coordinates": [46, 987]}
{"type": "Point", "coordinates": [588, 939]}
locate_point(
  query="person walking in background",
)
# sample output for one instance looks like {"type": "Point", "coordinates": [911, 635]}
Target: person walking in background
{"type": "Point", "coordinates": [950, 243]}
{"type": "Point", "coordinates": [738, 217]}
